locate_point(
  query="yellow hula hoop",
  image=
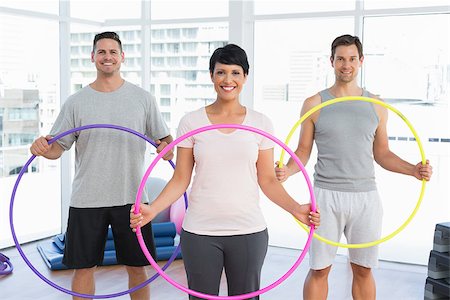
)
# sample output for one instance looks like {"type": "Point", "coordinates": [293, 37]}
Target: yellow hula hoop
{"type": "Point", "coordinates": [422, 154]}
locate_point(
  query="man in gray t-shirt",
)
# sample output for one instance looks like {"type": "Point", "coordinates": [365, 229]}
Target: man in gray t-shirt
{"type": "Point", "coordinates": [109, 165]}
{"type": "Point", "coordinates": [349, 136]}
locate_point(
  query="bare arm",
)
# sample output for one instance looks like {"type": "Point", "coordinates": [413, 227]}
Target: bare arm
{"type": "Point", "coordinates": [40, 147]}
{"type": "Point", "coordinates": [176, 186]}
{"type": "Point", "coordinates": [305, 141]}
{"type": "Point", "coordinates": [273, 189]}
{"type": "Point", "coordinates": [389, 160]}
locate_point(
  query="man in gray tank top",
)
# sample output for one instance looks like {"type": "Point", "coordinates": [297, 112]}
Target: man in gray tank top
{"type": "Point", "coordinates": [108, 167]}
{"type": "Point", "coordinates": [349, 136]}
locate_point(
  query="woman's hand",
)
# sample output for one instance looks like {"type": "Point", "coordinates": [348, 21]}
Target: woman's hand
{"type": "Point", "coordinates": [304, 214]}
{"type": "Point", "coordinates": [144, 216]}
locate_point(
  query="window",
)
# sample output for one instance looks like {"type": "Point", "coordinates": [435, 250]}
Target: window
{"type": "Point", "coordinates": [83, 73]}
{"type": "Point", "coordinates": [166, 116]}
{"type": "Point", "coordinates": [176, 74]}
{"type": "Point", "coordinates": [74, 62]}
{"type": "Point", "coordinates": [128, 48]}
{"type": "Point", "coordinates": [77, 87]}
{"type": "Point", "coordinates": [301, 65]}
{"type": "Point", "coordinates": [86, 63]}
{"type": "Point", "coordinates": [173, 48]}
{"type": "Point", "coordinates": [173, 61]}
{"type": "Point", "coordinates": [165, 89]}
{"type": "Point", "coordinates": [1, 126]}
{"type": "Point", "coordinates": [164, 101]}
{"type": "Point", "coordinates": [48, 6]}
{"type": "Point", "coordinates": [158, 48]}
{"type": "Point", "coordinates": [18, 139]}
{"type": "Point", "coordinates": [189, 47]}
{"type": "Point", "coordinates": [175, 9]}
{"type": "Point", "coordinates": [86, 37]}
{"type": "Point", "coordinates": [191, 75]}
{"type": "Point", "coordinates": [94, 10]}
{"type": "Point", "coordinates": [214, 45]}
{"type": "Point", "coordinates": [173, 33]}
{"type": "Point", "coordinates": [190, 61]}
{"type": "Point", "coordinates": [159, 34]}
{"type": "Point", "coordinates": [162, 74]}
{"type": "Point", "coordinates": [17, 170]}
{"type": "Point", "coordinates": [290, 62]}
{"type": "Point", "coordinates": [190, 33]}
{"type": "Point", "coordinates": [179, 77]}
{"type": "Point", "coordinates": [302, 6]}
{"type": "Point", "coordinates": [29, 85]}
{"type": "Point", "coordinates": [407, 64]}
{"type": "Point", "coordinates": [158, 61]}
{"type": "Point", "coordinates": [22, 114]}
{"type": "Point", "coordinates": [86, 50]}
{"type": "Point", "coordinates": [415, 54]}
{"type": "Point", "coordinates": [128, 35]}
{"type": "Point", "coordinates": [375, 4]}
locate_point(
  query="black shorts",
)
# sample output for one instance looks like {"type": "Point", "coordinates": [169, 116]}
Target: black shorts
{"type": "Point", "coordinates": [86, 235]}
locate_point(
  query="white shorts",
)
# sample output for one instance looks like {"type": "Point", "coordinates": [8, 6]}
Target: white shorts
{"type": "Point", "coordinates": [356, 214]}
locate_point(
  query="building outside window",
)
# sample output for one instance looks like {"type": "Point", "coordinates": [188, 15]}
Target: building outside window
{"type": "Point", "coordinates": [29, 86]}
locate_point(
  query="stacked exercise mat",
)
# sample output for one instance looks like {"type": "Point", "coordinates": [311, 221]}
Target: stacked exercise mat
{"type": "Point", "coordinates": [165, 242]}
{"type": "Point", "coordinates": [437, 285]}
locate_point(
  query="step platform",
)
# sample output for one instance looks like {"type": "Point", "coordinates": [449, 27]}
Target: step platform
{"type": "Point", "coordinates": [441, 242]}
{"type": "Point", "coordinates": [436, 289]}
{"type": "Point", "coordinates": [439, 265]}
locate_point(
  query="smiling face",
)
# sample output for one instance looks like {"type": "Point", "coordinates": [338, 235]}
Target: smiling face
{"type": "Point", "coordinates": [228, 81]}
{"type": "Point", "coordinates": [107, 57]}
{"type": "Point", "coordinates": [346, 63]}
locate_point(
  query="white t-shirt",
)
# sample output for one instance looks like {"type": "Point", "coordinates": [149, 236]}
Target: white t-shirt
{"type": "Point", "coordinates": [224, 198]}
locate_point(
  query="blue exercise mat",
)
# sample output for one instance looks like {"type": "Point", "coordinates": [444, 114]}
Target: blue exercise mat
{"type": "Point", "coordinates": [53, 256]}
{"type": "Point", "coordinates": [163, 229]}
{"type": "Point", "coordinates": [166, 229]}
{"type": "Point", "coordinates": [164, 234]}
{"type": "Point", "coordinates": [164, 253]}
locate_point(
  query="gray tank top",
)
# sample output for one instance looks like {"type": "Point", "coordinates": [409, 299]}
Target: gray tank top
{"type": "Point", "coordinates": [344, 135]}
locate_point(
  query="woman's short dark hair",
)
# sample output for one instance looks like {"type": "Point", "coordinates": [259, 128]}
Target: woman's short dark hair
{"type": "Point", "coordinates": [346, 40]}
{"type": "Point", "coordinates": [230, 54]}
{"type": "Point", "coordinates": [107, 35]}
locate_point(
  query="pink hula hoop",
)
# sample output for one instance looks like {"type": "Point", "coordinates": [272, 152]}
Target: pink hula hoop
{"type": "Point", "coordinates": [171, 146]}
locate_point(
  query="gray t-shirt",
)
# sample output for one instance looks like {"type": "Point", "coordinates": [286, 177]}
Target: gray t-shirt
{"type": "Point", "coordinates": [109, 163]}
{"type": "Point", "coordinates": [344, 135]}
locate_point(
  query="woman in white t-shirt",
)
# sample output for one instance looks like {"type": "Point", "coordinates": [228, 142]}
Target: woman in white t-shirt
{"type": "Point", "coordinates": [224, 228]}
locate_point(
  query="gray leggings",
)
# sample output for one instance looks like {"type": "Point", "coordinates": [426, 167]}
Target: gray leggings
{"type": "Point", "coordinates": [242, 257]}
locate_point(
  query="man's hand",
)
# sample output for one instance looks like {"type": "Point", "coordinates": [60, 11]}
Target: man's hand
{"type": "Point", "coordinates": [161, 146]}
{"type": "Point", "coordinates": [423, 171]}
{"type": "Point", "coordinates": [282, 172]}
{"type": "Point", "coordinates": [40, 146]}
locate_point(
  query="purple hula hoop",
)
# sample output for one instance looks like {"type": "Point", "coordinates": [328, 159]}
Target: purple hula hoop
{"type": "Point", "coordinates": [168, 148]}
{"type": "Point", "coordinates": [16, 242]}
{"type": "Point", "coordinates": [6, 266]}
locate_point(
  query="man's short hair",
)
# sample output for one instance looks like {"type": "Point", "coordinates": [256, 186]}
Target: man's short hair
{"type": "Point", "coordinates": [107, 35]}
{"type": "Point", "coordinates": [346, 40]}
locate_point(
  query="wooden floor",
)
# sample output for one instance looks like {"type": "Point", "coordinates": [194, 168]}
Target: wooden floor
{"type": "Point", "coordinates": [394, 281]}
